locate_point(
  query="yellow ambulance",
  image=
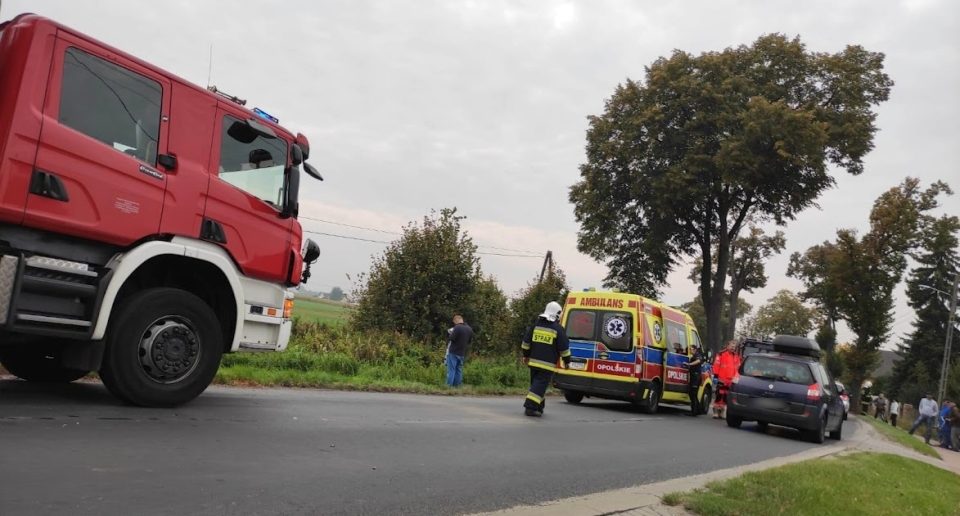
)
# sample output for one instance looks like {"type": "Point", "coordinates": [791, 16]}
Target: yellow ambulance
{"type": "Point", "coordinates": [631, 348]}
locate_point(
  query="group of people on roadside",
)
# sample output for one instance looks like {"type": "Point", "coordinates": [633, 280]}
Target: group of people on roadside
{"type": "Point", "coordinates": [947, 418]}
{"type": "Point", "coordinates": [882, 408]}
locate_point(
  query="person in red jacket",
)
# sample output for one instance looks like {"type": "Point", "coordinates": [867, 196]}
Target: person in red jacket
{"type": "Point", "coordinates": [725, 367]}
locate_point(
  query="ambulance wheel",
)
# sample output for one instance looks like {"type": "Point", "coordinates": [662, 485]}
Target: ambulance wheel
{"type": "Point", "coordinates": [653, 399]}
{"type": "Point", "coordinates": [573, 396]}
{"type": "Point", "coordinates": [163, 348]}
{"type": "Point", "coordinates": [706, 399]}
{"type": "Point", "coordinates": [39, 363]}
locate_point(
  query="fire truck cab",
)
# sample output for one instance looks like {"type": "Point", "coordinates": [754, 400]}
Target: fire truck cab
{"type": "Point", "coordinates": [147, 225]}
{"type": "Point", "coordinates": [631, 348]}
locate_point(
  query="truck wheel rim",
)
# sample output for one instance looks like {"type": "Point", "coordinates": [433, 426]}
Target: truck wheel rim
{"type": "Point", "coordinates": [169, 350]}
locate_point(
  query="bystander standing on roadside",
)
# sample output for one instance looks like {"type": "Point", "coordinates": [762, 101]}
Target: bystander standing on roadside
{"type": "Point", "coordinates": [460, 336]}
{"type": "Point", "coordinates": [894, 411]}
{"type": "Point", "coordinates": [946, 425]}
{"type": "Point", "coordinates": [954, 418]}
{"type": "Point", "coordinates": [928, 410]}
{"type": "Point", "coordinates": [880, 406]}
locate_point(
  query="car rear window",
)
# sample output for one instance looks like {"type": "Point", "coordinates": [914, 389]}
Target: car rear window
{"type": "Point", "coordinates": [772, 368]}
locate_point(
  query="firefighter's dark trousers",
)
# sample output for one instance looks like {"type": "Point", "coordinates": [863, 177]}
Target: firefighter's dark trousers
{"type": "Point", "coordinates": [539, 381]}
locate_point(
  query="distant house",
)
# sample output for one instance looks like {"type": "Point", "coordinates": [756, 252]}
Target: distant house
{"type": "Point", "coordinates": [887, 360]}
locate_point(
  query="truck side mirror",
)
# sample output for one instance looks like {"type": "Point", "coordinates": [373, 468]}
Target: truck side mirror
{"type": "Point", "coordinates": [296, 155]}
{"type": "Point", "coordinates": [291, 204]}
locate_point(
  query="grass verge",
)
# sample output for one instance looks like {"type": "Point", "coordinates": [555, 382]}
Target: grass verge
{"type": "Point", "coordinates": [856, 484]}
{"type": "Point", "coordinates": [901, 436]}
{"type": "Point", "coordinates": [322, 311]}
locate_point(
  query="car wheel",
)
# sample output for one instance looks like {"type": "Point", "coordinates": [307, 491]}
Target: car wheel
{"type": "Point", "coordinates": [762, 426]}
{"type": "Point", "coordinates": [653, 399]}
{"type": "Point", "coordinates": [817, 435]}
{"type": "Point", "coordinates": [39, 362]}
{"type": "Point", "coordinates": [733, 421]}
{"type": "Point", "coordinates": [573, 396]}
{"type": "Point", "coordinates": [162, 349]}
{"type": "Point", "coordinates": [836, 434]}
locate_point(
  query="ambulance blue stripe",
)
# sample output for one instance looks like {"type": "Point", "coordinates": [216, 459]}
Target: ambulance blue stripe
{"type": "Point", "coordinates": [653, 355]}
{"type": "Point", "coordinates": [674, 360]}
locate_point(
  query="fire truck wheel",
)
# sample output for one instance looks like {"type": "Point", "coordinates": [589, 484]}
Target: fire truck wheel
{"type": "Point", "coordinates": [573, 396]}
{"type": "Point", "coordinates": [39, 363]}
{"type": "Point", "coordinates": [162, 349]}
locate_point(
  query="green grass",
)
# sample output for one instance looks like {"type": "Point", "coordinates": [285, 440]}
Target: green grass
{"type": "Point", "coordinates": [901, 436]}
{"type": "Point", "coordinates": [321, 311]}
{"type": "Point", "coordinates": [868, 484]}
{"type": "Point", "coordinates": [337, 357]}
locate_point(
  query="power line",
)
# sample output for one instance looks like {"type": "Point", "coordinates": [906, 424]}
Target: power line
{"type": "Point", "coordinates": [347, 237]}
{"type": "Point", "coordinates": [325, 221]}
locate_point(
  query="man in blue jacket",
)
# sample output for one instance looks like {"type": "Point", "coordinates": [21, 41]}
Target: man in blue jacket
{"type": "Point", "coordinates": [543, 345]}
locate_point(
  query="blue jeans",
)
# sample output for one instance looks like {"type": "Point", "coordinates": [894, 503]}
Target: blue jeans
{"type": "Point", "coordinates": [454, 370]}
{"type": "Point", "coordinates": [945, 435]}
{"type": "Point", "coordinates": [929, 421]}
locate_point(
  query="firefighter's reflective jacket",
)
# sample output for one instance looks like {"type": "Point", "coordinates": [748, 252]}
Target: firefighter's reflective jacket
{"type": "Point", "coordinates": [544, 344]}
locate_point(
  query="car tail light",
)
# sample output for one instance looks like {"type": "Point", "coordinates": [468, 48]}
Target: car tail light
{"type": "Point", "coordinates": [813, 392]}
{"type": "Point", "coordinates": [287, 308]}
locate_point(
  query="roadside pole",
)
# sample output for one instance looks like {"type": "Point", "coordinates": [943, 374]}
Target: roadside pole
{"type": "Point", "coordinates": [945, 366]}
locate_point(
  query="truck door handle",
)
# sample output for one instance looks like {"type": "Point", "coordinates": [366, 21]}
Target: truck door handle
{"type": "Point", "coordinates": [47, 184]}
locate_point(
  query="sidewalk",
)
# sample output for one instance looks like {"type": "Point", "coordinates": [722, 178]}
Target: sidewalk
{"type": "Point", "coordinates": [645, 500]}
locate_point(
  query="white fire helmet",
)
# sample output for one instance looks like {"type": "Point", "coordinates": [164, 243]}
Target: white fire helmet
{"type": "Point", "coordinates": [552, 311]}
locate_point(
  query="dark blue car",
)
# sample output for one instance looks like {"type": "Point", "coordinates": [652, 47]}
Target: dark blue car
{"type": "Point", "coordinates": [786, 389]}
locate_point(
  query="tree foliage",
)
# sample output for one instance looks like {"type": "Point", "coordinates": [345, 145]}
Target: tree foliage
{"type": "Point", "coordinates": [531, 301]}
{"type": "Point", "coordinates": [677, 162]}
{"type": "Point", "coordinates": [695, 309]}
{"type": "Point", "coordinates": [336, 294]}
{"type": "Point", "coordinates": [747, 272]}
{"type": "Point", "coordinates": [855, 276]}
{"type": "Point", "coordinates": [937, 262]}
{"type": "Point", "coordinates": [426, 276]}
{"type": "Point", "coordinates": [784, 314]}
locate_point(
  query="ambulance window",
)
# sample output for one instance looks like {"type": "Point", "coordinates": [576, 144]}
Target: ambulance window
{"type": "Point", "coordinates": [111, 104]}
{"type": "Point", "coordinates": [676, 337]}
{"type": "Point", "coordinates": [251, 162]}
{"type": "Point", "coordinates": [617, 331]}
{"type": "Point", "coordinates": [581, 324]}
{"type": "Point", "coordinates": [696, 339]}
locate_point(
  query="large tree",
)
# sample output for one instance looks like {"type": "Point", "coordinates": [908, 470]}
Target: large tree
{"type": "Point", "coordinates": [937, 262]}
{"type": "Point", "coordinates": [696, 312]}
{"type": "Point", "coordinates": [857, 275]}
{"type": "Point", "coordinates": [677, 162]}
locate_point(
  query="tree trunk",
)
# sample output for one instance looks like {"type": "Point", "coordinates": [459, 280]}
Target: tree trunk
{"type": "Point", "coordinates": [732, 314]}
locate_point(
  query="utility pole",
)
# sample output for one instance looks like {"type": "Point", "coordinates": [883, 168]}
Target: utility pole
{"type": "Point", "coordinates": [548, 259]}
{"type": "Point", "coordinates": [945, 367]}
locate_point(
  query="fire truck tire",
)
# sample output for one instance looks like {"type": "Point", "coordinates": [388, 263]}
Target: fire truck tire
{"type": "Point", "coordinates": [40, 363]}
{"type": "Point", "coordinates": [653, 399]}
{"type": "Point", "coordinates": [162, 349]}
{"type": "Point", "coordinates": [573, 396]}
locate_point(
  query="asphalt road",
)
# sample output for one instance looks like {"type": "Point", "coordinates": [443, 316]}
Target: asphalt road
{"type": "Point", "coordinates": [73, 449]}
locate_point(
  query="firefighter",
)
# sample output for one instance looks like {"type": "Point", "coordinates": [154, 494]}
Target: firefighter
{"type": "Point", "coordinates": [543, 344]}
{"type": "Point", "coordinates": [693, 372]}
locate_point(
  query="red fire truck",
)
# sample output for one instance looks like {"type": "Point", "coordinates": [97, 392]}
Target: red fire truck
{"type": "Point", "coordinates": [147, 225]}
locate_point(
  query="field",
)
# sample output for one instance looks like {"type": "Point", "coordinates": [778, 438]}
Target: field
{"type": "Point", "coordinates": [332, 313]}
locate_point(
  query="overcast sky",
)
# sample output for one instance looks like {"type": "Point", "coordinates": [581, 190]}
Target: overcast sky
{"type": "Point", "coordinates": [482, 105]}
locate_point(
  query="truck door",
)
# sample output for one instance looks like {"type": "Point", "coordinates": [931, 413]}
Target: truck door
{"type": "Point", "coordinates": [104, 126]}
{"type": "Point", "coordinates": [246, 195]}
